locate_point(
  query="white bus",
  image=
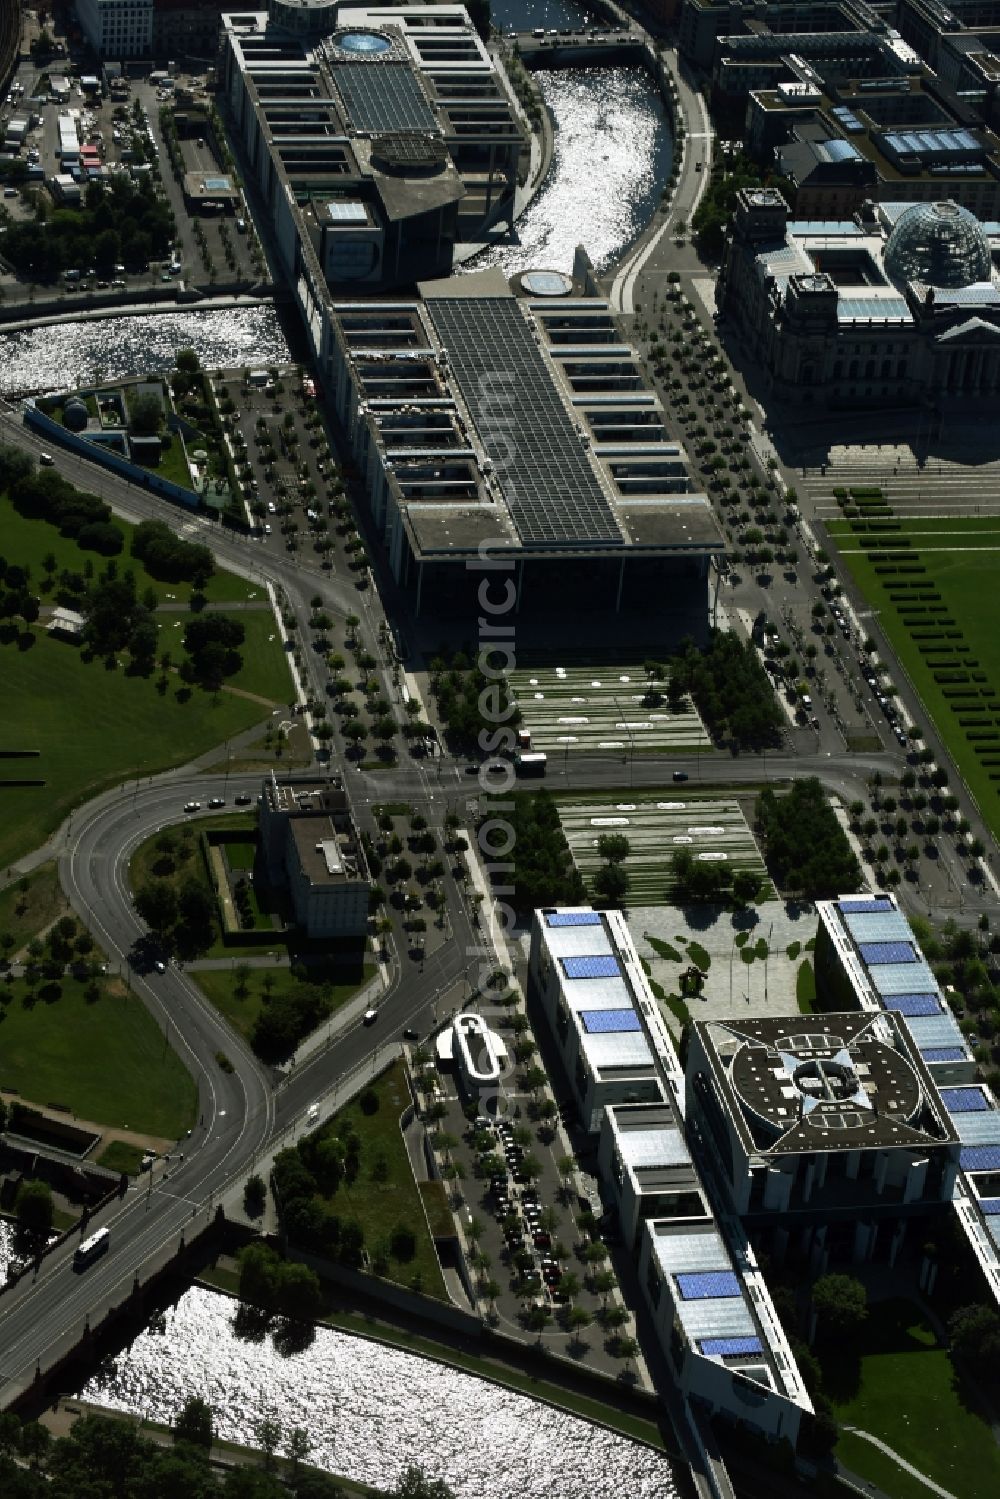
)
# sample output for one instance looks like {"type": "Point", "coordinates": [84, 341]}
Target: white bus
{"type": "Point", "coordinates": [91, 1249]}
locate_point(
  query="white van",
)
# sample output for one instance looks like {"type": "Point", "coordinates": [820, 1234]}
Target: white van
{"type": "Point", "coordinates": [46, 459]}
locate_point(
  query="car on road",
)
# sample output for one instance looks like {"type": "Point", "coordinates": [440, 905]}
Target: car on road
{"type": "Point", "coordinates": [192, 806]}
{"type": "Point", "coordinates": [370, 1017]}
{"type": "Point", "coordinates": [242, 799]}
{"type": "Point", "coordinates": [217, 801]}
{"type": "Point", "coordinates": [410, 1034]}
{"type": "Point", "coordinates": [271, 507]}
{"type": "Point", "coordinates": [472, 770]}
{"type": "Point", "coordinates": [46, 459]}
{"type": "Point", "coordinates": [160, 966]}
{"type": "Point", "coordinates": [267, 528]}
{"type": "Point", "coordinates": [680, 775]}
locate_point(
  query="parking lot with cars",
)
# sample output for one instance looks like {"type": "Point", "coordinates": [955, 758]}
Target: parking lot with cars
{"type": "Point", "coordinates": [540, 1249]}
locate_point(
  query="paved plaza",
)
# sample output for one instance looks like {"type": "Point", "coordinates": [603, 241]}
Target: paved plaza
{"type": "Point", "coordinates": [750, 958]}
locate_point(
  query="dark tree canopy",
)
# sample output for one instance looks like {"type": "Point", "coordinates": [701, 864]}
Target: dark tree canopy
{"type": "Point", "coordinates": [807, 850]}
{"type": "Point", "coordinates": [731, 691]}
{"type": "Point", "coordinates": [544, 872]}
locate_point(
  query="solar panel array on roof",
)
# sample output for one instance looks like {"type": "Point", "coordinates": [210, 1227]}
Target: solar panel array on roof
{"type": "Point", "coordinates": [931, 142]}
{"type": "Point", "coordinates": [591, 966]}
{"type": "Point", "coordinates": [864, 906]}
{"type": "Point", "coordinates": [847, 119]}
{"type": "Point", "coordinates": [874, 309]}
{"type": "Point", "coordinates": [729, 1347]}
{"type": "Point", "coordinates": [989, 1205]}
{"type": "Point", "coordinates": [704, 1284]}
{"type": "Point", "coordinates": [554, 496]}
{"type": "Point", "coordinates": [343, 212]}
{"type": "Point", "coordinates": [912, 977]}
{"type": "Point", "coordinates": [980, 1158]}
{"type": "Point", "coordinates": [964, 1100]}
{"type": "Point", "coordinates": [603, 1022]}
{"type": "Point", "coordinates": [825, 227]}
{"type": "Point", "coordinates": [913, 1004]}
{"type": "Point", "coordinates": [942, 1053]}
{"type": "Point", "coordinates": [874, 953]}
{"type": "Point", "coordinates": [979, 294]}
{"type": "Point", "coordinates": [572, 918]}
{"type": "Point", "coordinates": [380, 97]}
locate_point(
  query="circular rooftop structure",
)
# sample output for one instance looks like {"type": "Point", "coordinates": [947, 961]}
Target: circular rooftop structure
{"type": "Point", "coordinates": [547, 283]}
{"type": "Point", "coordinates": [75, 414]}
{"type": "Point", "coordinates": [366, 42]}
{"type": "Point", "coordinates": [940, 244]}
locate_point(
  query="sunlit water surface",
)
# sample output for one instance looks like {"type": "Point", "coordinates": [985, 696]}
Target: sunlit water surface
{"type": "Point", "coordinates": [53, 358]}
{"type": "Point", "coordinates": [370, 1410]}
{"type": "Point", "coordinates": [612, 160]}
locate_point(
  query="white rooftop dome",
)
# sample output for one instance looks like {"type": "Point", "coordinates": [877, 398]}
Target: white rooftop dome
{"type": "Point", "coordinates": [940, 244]}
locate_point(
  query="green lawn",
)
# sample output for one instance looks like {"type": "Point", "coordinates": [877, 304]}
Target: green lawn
{"type": "Point", "coordinates": [380, 1205]}
{"type": "Point", "coordinates": [26, 542]}
{"type": "Point", "coordinates": [105, 1061]}
{"type": "Point", "coordinates": [871, 1464]}
{"type": "Point", "coordinates": [24, 913]}
{"type": "Point", "coordinates": [265, 662]}
{"type": "Point", "coordinates": [94, 728]}
{"type": "Point", "coordinates": [219, 987]}
{"type": "Point", "coordinates": [122, 1157]}
{"type": "Point", "coordinates": [965, 579]}
{"type": "Point", "coordinates": [805, 987]}
{"type": "Point", "coordinates": [904, 1391]}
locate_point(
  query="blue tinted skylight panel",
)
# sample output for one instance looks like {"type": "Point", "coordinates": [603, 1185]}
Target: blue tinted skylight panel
{"type": "Point", "coordinates": [913, 977]}
{"type": "Point", "coordinates": [964, 1100]}
{"type": "Point", "coordinates": [864, 904]}
{"type": "Point", "coordinates": [706, 1284]}
{"type": "Point", "coordinates": [879, 926]}
{"type": "Point", "coordinates": [572, 918]}
{"type": "Point", "coordinates": [838, 150]}
{"type": "Point", "coordinates": [593, 966]}
{"type": "Point", "coordinates": [980, 1158]}
{"type": "Point", "coordinates": [989, 1205]}
{"type": "Point", "coordinates": [913, 1004]}
{"type": "Point", "coordinates": [886, 309]}
{"type": "Point", "coordinates": [603, 1022]}
{"type": "Point", "coordinates": [887, 952]}
{"type": "Point", "coordinates": [932, 1054]}
{"type": "Point", "coordinates": [729, 1347]}
{"type": "Point", "coordinates": [978, 1129]}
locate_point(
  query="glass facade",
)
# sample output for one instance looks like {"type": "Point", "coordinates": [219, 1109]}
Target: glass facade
{"type": "Point", "coordinates": [940, 244]}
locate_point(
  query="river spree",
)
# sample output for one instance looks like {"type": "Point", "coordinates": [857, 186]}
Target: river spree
{"type": "Point", "coordinates": [71, 353]}
{"type": "Point", "coordinates": [370, 1410]}
{"type": "Point", "coordinates": [613, 152]}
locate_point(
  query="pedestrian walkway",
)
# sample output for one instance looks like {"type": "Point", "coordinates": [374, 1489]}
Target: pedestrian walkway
{"type": "Point", "coordinates": [935, 1488]}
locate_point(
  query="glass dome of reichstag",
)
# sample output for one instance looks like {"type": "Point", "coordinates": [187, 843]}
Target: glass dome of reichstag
{"type": "Point", "coordinates": [940, 244]}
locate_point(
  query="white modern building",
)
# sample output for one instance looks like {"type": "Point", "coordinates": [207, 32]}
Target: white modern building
{"type": "Point", "coordinates": [867, 955]}
{"type": "Point", "coordinates": [706, 1297]}
{"type": "Point", "coordinates": [605, 1021]}
{"type": "Point", "coordinates": [117, 28]}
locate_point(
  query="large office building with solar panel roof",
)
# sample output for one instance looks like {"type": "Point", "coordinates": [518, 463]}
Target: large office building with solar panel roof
{"type": "Point", "coordinates": [704, 1291]}
{"type": "Point", "coordinates": [378, 137]}
{"type": "Point", "coordinates": [898, 305]}
{"type": "Point", "coordinates": [518, 428]}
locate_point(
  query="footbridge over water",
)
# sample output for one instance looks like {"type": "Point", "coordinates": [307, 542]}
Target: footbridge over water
{"type": "Point", "coordinates": [583, 48]}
